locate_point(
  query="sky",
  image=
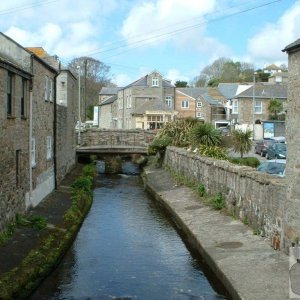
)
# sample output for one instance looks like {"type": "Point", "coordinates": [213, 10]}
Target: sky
{"type": "Point", "coordinates": [177, 38]}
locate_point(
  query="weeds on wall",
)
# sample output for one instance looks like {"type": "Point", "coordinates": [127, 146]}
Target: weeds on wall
{"type": "Point", "coordinates": [20, 281]}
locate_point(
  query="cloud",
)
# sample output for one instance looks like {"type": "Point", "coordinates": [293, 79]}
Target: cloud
{"type": "Point", "coordinates": [157, 20]}
{"type": "Point", "coordinates": [266, 45]}
{"type": "Point", "coordinates": [57, 28]}
{"type": "Point", "coordinates": [122, 80]}
{"type": "Point", "coordinates": [174, 75]}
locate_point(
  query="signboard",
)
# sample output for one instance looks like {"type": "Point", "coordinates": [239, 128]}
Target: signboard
{"type": "Point", "coordinates": [268, 130]}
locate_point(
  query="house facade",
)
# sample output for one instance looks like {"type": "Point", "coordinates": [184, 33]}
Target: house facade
{"type": "Point", "coordinates": [147, 103]}
{"type": "Point", "coordinates": [205, 104]}
{"type": "Point", "coordinates": [33, 130]}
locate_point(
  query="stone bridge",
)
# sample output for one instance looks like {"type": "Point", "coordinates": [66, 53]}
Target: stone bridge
{"type": "Point", "coordinates": [114, 141]}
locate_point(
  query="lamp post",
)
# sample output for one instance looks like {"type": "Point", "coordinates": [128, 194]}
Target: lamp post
{"type": "Point", "coordinates": [79, 117]}
{"type": "Point", "coordinates": [253, 104]}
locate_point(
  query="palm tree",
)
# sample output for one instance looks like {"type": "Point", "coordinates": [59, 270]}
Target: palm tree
{"type": "Point", "coordinates": [205, 134]}
{"type": "Point", "coordinates": [275, 107]}
{"type": "Point", "coordinates": [242, 141]}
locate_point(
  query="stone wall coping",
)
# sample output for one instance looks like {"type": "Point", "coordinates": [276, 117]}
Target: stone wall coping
{"type": "Point", "coordinates": [242, 171]}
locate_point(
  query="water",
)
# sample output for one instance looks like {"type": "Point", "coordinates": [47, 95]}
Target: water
{"type": "Point", "coordinates": [127, 249]}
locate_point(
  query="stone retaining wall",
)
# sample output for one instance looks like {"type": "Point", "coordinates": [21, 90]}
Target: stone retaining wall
{"type": "Point", "coordinates": [254, 197]}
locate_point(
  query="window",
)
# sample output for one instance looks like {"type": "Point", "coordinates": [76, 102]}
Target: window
{"type": "Point", "coordinates": [258, 107]}
{"type": "Point", "coordinates": [169, 100]}
{"type": "Point", "coordinates": [199, 104]}
{"type": "Point", "coordinates": [33, 152]}
{"type": "Point", "coordinates": [235, 107]}
{"type": "Point", "coordinates": [49, 147]}
{"type": "Point", "coordinates": [129, 101]}
{"type": "Point", "coordinates": [51, 89]}
{"type": "Point", "coordinates": [46, 88]}
{"type": "Point", "coordinates": [9, 93]}
{"type": "Point", "coordinates": [154, 81]}
{"type": "Point", "coordinates": [200, 115]}
{"type": "Point", "coordinates": [185, 104]}
{"type": "Point", "coordinates": [23, 92]}
{"type": "Point", "coordinates": [155, 122]}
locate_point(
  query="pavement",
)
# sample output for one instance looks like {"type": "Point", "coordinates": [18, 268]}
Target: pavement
{"type": "Point", "coordinates": [25, 239]}
{"type": "Point", "coordinates": [245, 263]}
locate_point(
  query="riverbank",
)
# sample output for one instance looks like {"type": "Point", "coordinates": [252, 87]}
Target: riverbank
{"type": "Point", "coordinates": [31, 254]}
{"type": "Point", "coordinates": [245, 263]}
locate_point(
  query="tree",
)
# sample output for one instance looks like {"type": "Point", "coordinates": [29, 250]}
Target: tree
{"type": "Point", "coordinates": [94, 75]}
{"type": "Point", "coordinates": [241, 141]}
{"type": "Point", "coordinates": [225, 70]}
{"type": "Point", "coordinates": [181, 84]}
{"type": "Point", "coordinates": [275, 107]}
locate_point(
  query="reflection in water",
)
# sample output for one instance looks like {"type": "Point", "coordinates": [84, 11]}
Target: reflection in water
{"type": "Point", "coordinates": [126, 249]}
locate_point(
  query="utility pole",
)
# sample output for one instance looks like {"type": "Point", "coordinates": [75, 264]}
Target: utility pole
{"type": "Point", "coordinates": [85, 75]}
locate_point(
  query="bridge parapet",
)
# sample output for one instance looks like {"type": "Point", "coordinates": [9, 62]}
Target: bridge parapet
{"type": "Point", "coordinates": [121, 137]}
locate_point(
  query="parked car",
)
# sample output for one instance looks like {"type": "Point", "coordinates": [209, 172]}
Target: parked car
{"type": "Point", "coordinates": [276, 150]}
{"type": "Point", "coordinates": [273, 166]}
{"type": "Point", "coordinates": [261, 147]}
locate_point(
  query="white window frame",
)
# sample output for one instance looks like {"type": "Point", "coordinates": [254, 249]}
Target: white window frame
{"type": "Point", "coordinates": [200, 115]}
{"type": "Point", "coordinates": [168, 100]}
{"type": "Point", "coordinates": [258, 107]}
{"type": "Point", "coordinates": [46, 90]}
{"type": "Point", "coordinates": [155, 81]}
{"type": "Point", "coordinates": [129, 101]}
{"type": "Point", "coordinates": [33, 153]}
{"type": "Point", "coordinates": [49, 147]}
{"type": "Point", "coordinates": [235, 106]}
{"type": "Point", "coordinates": [199, 104]}
{"type": "Point", "coordinates": [185, 104]}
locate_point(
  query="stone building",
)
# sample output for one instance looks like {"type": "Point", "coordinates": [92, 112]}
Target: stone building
{"type": "Point", "coordinates": [66, 103]}
{"type": "Point", "coordinates": [37, 134]}
{"type": "Point", "coordinates": [291, 222]}
{"type": "Point", "coordinates": [205, 104]}
{"type": "Point", "coordinates": [147, 103]}
{"type": "Point", "coordinates": [15, 86]}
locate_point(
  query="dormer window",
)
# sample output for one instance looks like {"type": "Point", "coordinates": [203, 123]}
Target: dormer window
{"type": "Point", "coordinates": [154, 81]}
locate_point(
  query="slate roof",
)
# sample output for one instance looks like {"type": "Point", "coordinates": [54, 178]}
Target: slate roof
{"type": "Point", "coordinates": [109, 100]}
{"type": "Point", "coordinates": [143, 82]}
{"type": "Point", "coordinates": [228, 90]}
{"type": "Point", "coordinates": [153, 105]}
{"type": "Point", "coordinates": [199, 92]}
{"type": "Point", "coordinates": [292, 46]}
{"type": "Point", "coordinates": [266, 91]}
{"type": "Point", "coordinates": [272, 67]}
{"type": "Point", "coordinates": [110, 90]}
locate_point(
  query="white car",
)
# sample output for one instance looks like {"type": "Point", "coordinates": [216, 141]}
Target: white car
{"type": "Point", "coordinates": [273, 166]}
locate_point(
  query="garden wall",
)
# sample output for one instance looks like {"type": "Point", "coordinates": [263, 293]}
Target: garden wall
{"type": "Point", "coordinates": [256, 198]}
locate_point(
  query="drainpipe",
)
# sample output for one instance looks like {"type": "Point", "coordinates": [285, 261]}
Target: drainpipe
{"type": "Point", "coordinates": [55, 128]}
{"type": "Point", "coordinates": [30, 130]}
{"type": "Point", "coordinates": [30, 140]}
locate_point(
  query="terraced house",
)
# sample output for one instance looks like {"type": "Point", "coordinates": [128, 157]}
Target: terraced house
{"type": "Point", "coordinates": [28, 129]}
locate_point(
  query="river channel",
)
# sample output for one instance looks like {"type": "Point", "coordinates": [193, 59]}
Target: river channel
{"type": "Point", "coordinates": [127, 248]}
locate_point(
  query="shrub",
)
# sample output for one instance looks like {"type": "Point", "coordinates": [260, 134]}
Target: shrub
{"type": "Point", "coordinates": [89, 170]}
{"type": "Point", "coordinates": [205, 134]}
{"type": "Point", "coordinates": [179, 131]}
{"type": "Point", "coordinates": [159, 144]}
{"type": "Point", "coordinates": [217, 201]}
{"type": "Point", "coordinates": [201, 190]}
{"type": "Point", "coordinates": [83, 183]}
{"type": "Point", "coordinates": [213, 151]}
{"type": "Point", "coordinates": [245, 161]}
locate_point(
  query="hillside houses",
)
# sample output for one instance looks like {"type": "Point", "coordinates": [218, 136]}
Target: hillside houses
{"type": "Point", "coordinates": [37, 133]}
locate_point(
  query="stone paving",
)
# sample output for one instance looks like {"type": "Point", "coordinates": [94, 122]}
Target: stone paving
{"type": "Point", "coordinates": [245, 263]}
